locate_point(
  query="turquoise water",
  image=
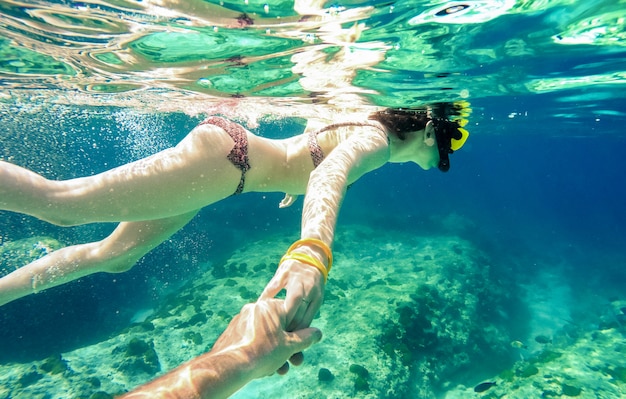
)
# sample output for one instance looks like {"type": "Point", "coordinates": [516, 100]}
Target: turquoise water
{"type": "Point", "coordinates": [536, 194]}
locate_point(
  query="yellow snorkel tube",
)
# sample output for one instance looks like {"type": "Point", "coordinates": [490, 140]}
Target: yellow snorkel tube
{"type": "Point", "coordinates": [463, 109]}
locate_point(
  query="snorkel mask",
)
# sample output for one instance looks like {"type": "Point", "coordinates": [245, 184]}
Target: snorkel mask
{"type": "Point", "coordinates": [448, 121]}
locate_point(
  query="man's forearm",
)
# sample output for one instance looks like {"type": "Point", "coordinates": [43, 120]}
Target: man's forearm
{"type": "Point", "coordinates": [212, 375]}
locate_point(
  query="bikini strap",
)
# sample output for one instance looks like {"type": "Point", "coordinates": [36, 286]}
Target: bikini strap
{"type": "Point", "coordinates": [239, 153]}
{"type": "Point", "coordinates": [314, 146]}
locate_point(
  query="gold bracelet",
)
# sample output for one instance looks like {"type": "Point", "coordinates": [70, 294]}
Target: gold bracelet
{"type": "Point", "coordinates": [309, 260]}
{"type": "Point", "coordinates": [316, 243]}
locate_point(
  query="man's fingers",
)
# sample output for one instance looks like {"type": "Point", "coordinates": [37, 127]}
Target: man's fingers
{"type": "Point", "coordinates": [283, 369]}
{"type": "Point", "coordinates": [302, 339]}
{"type": "Point", "coordinates": [296, 359]}
{"type": "Point", "coordinates": [296, 309]}
{"type": "Point", "coordinates": [271, 289]}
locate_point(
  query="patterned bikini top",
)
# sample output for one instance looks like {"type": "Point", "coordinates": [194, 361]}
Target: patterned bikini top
{"type": "Point", "coordinates": [314, 146]}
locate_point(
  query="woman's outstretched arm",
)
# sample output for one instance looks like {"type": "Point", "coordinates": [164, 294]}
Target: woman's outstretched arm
{"type": "Point", "coordinates": [116, 253]}
{"type": "Point", "coordinates": [304, 284]}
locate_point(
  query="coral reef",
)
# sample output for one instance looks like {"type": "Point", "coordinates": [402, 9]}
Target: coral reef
{"type": "Point", "coordinates": [448, 324]}
{"type": "Point", "coordinates": [404, 316]}
{"type": "Point", "coordinates": [589, 364]}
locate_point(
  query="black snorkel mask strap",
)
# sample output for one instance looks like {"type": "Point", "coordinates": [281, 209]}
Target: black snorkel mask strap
{"type": "Point", "coordinates": [445, 131]}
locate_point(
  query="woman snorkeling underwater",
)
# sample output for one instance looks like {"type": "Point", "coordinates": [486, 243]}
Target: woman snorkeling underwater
{"type": "Point", "coordinates": [154, 197]}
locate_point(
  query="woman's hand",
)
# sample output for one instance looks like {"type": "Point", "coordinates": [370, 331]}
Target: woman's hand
{"type": "Point", "coordinates": [305, 292]}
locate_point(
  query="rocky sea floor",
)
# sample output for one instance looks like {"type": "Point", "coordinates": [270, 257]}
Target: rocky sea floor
{"type": "Point", "coordinates": [405, 316]}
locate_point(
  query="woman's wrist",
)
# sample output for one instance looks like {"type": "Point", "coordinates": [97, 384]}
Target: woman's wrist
{"type": "Point", "coordinates": [312, 252]}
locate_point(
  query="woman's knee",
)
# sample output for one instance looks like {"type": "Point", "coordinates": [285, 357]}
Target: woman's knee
{"type": "Point", "coordinates": [120, 266]}
{"type": "Point", "coordinates": [118, 257]}
{"type": "Point", "coordinates": [59, 208]}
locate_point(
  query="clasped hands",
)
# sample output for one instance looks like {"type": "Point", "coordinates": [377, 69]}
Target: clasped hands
{"type": "Point", "coordinates": [256, 343]}
{"type": "Point", "coordinates": [269, 331]}
{"type": "Point", "coordinates": [304, 286]}
{"type": "Point", "coordinates": [260, 339]}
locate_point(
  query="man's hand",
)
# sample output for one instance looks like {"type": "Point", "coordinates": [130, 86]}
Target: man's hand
{"type": "Point", "coordinates": [256, 343]}
{"type": "Point", "coordinates": [260, 334]}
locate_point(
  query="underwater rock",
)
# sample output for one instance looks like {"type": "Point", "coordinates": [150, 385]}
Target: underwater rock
{"type": "Point", "coordinates": [618, 374]}
{"type": "Point", "coordinates": [141, 356]}
{"type": "Point", "coordinates": [507, 375]}
{"type": "Point", "coordinates": [549, 393]}
{"type": "Point", "coordinates": [194, 337]}
{"type": "Point", "coordinates": [219, 271]}
{"type": "Point", "coordinates": [604, 325]}
{"type": "Point", "coordinates": [136, 347]}
{"type": "Point", "coordinates": [569, 390]}
{"type": "Point", "coordinates": [243, 268]}
{"type": "Point", "coordinates": [548, 356]}
{"type": "Point", "coordinates": [230, 269]}
{"type": "Point", "coordinates": [528, 371]}
{"type": "Point", "coordinates": [325, 375]}
{"type": "Point", "coordinates": [246, 294]}
{"type": "Point", "coordinates": [359, 370]}
{"type": "Point", "coordinates": [29, 378]}
{"type": "Point", "coordinates": [222, 314]}
{"type": "Point", "coordinates": [198, 318]}
{"type": "Point", "coordinates": [101, 395]}
{"type": "Point", "coordinates": [375, 283]}
{"type": "Point", "coordinates": [94, 382]}
{"type": "Point", "coordinates": [54, 365]}
{"type": "Point", "coordinates": [145, 326]}
{"type": "Point", "coordinates": [361, 384]}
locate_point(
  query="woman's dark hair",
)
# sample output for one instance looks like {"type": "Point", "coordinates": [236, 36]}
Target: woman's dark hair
{"type": "Point", "coordinates": [401, 120]}
{"type": "Point", "coordinates": [444, 117]}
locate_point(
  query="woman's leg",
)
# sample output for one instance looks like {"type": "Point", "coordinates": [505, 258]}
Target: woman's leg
{"type": "Point", "coordinates": [22, 190]}
{"type": "Point", "coordinates": [116, 253]}
{"type": "Point", "coordinates": [178, 180]}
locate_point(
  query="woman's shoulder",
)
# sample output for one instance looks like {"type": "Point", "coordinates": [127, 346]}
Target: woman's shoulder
{"type": "Point", "coordinates": [347, 129]}
{"type": "Point", "coordinates": [368, 133]}
{"type": "Point", "coordinates": [362, 142]}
